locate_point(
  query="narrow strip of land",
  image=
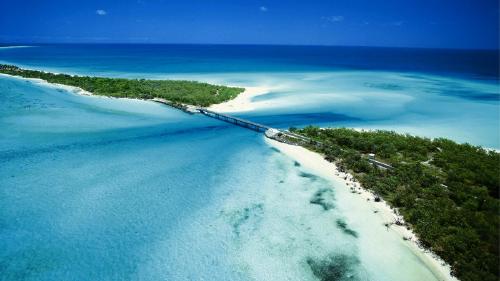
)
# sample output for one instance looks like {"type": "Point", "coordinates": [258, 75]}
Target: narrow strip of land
{"type": "Point", "coordinates": [175, 91]}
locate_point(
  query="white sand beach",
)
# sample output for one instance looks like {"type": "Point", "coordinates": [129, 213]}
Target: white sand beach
{"type": "Point", "coordinates": [315, 162]}
{"type": "Point", "coordinates": [243, 102]}
{"type": "Point", "coordinates": [71, 89]}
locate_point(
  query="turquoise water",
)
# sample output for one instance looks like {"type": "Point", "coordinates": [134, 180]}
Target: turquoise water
{"type": "Point", "coordinates": [114, 189]}
{"type": "Point", "coordinates": [464, 110]}
{"type": "Point", "coordinates": [434, 93]}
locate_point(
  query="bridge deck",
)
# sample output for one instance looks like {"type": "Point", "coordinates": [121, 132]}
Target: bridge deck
{"type": "Point", "coordinates": [235, 120]}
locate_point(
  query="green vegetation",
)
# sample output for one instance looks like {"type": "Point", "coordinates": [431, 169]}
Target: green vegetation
{"type": "Point", "coordinates": [187, 92]}
{"type": "Point", "coordinates": [447, 192]}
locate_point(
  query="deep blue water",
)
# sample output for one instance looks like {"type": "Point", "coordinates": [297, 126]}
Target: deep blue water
{"type": "Point", "coordinates": [111, 189]}
{"type": "Point", "coordinates": [82, 58]}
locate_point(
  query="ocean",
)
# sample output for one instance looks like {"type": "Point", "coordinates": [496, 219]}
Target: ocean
{"type": "Point", "coordinates": [96, 188]}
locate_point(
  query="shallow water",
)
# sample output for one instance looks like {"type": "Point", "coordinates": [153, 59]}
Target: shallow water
{"type": "Point", "coordinates": [115, 189]}
{"type": "Point", "coordinates": [421, 104]}
{"type": "Point", "coordinates": [92, 190]}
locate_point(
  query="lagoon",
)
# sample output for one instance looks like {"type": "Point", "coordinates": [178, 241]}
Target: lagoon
{"type": "Point", "coordinates": [112, 189]}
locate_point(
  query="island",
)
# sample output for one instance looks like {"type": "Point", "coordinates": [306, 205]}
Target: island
{"type": "Point", "coordinates": [174, 91]}
{"type": "Point", "coordinates": [447, 193]}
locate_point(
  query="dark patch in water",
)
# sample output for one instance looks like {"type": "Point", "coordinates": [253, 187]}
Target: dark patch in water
{"type": "Point", "coordinates": [335, 267]}
{"type": "Point", "coordinates": [308, 175]}
{"type": "Point", "coordinates": [8, 155]}
{"type": "Point", "coordinates": [470, 95]}
{"type": "Point", "coordinates": [343, 225]}
{"type": "Point", "coordinates": [241, 216]}
{"type": "Point", "coordinates": [275, 149]}
{"type": "Point", "coordinates": [296, 164]}
{"type": "Point", "coordinates": [455, 90]}
{"type": "Point", "coordinates": [325, 198]}
{"type": "Point", "coordinates": [384, 86]}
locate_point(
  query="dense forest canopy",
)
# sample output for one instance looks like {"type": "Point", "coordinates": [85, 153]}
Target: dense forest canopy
{"type": "Point", "coordinates": [447, 192]}
{"type": "Point", "coordinates": [187, 92]}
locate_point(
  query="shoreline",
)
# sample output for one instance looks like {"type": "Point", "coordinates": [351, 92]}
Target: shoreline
{"type": "Point", "coordinates": [309, 159]}
{"type": "Point", "coordinates": [315, 162]}
{"type": "Point", "coordinates": [243, 102]}
{"type": "Point", "coordinates": [71, 89]}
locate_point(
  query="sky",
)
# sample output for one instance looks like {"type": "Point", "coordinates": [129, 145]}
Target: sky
{"type": "Point", "coordinates": [464, 24]}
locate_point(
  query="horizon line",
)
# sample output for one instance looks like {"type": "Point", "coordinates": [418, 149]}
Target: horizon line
{"type": "Point", "coordinates": [3, 44]}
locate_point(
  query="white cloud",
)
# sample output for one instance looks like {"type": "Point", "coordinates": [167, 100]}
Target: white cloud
{"type": "Point", "coordinates": [333, 18]}
{"type": "Point", "coordinates": [263, 8]}
{"type": "Point", "coordinates": [101, 12]}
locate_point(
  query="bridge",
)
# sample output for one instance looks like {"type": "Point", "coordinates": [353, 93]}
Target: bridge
{"type": "Point", "coordinates": [235, 120]}
{"type": "Point", "coordinates": [276, 134]}
{"type": "Point", "coordinates": [283, 136]}
{"type": "Point", "coordinates": [191, 109]}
